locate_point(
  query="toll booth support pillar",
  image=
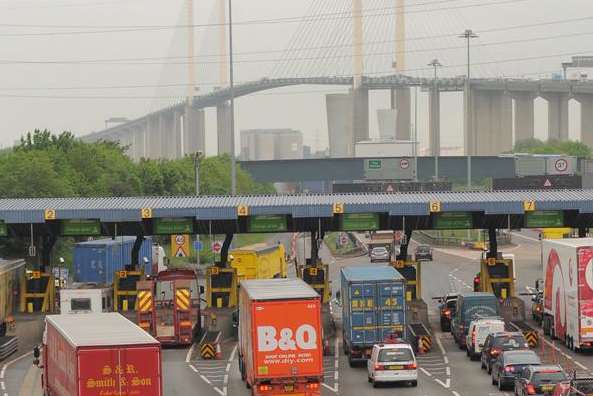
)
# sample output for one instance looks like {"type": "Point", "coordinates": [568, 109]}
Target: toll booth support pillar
{"type": "Point", "coordinates": [403, 250]}
{"type": "Point", "coordinates": [316, 239]}
{"type": "Point", "coordinates": [583, 232]}
{"type": "Point", "coordinates": [224, 251]}
{"type": "Point", "coordinates": [47, 245]}
{"type": "Point", "coordinates": [133, 266]}
{"type": "Point", "coordinates": [493, 251]}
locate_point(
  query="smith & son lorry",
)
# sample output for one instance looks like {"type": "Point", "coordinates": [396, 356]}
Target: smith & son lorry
{"type": "Point", "coordinates": [373, 308]}
{"type": "Point", "coordinates": [568, 291]}
{"type": "Point", "coordinates": [280, 351]}
{"type": "Point", "coordinates": [99, 354]}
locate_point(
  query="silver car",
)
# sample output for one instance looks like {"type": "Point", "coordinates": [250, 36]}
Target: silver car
{"type": "Point", "coordinates": [380, 253]}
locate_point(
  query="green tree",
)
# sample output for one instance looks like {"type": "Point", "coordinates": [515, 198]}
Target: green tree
{"type": "Point", "coordinates": [566, 147]}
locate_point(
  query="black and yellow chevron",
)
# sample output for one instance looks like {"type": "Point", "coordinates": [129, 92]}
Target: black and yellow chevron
{"type": "Point", "coordinates": [183, 299]}
{"type": "Point", "coordinates": [207, 351]}
{"type": "Point", "coordinates": [144, 301]}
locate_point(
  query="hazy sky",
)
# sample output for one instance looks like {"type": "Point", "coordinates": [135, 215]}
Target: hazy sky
{"type": "Point", "coordinates": [61, 62]}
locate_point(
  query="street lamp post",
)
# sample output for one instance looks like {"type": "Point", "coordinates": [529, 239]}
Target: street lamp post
{"type": "Point", "coordinates": [468, 35]}
{"type": "Point", "coordinates": [435, 64]}
{"type": "Point", "coordinates": [232, 95]}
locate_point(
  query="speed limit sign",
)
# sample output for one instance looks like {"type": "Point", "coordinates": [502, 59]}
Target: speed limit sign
{"type": "Point", "coordinates": [404, 163]}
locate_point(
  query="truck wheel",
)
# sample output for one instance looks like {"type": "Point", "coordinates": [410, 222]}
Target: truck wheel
{"type": "Point", "coordinates": [350, 361]}
{"type": "Point", "coordinates": [414, 383]}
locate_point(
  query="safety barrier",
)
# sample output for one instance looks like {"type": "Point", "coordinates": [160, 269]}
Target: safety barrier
{"type": "Point", "coordinates": [210, 345]}
{"type": "Point", "coordinates": [530, 334]}
{"type": "Point", "coordinates": [419, 337]}
{"type": "Point", "coordinates": [221, 287]}
{"type": "Point", "coordinates": [8, 346]}
{"type": "Point", "coordinates": [38, 292]}
{"type": "Point", "coordinates": [145, 306]}
{"type": "Point", "coordinates": [125, 290]}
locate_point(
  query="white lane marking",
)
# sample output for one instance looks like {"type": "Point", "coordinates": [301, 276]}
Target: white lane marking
{"type": "Point", "coordinates": [446, 384]}
{"type": "Point", "coordinates": [455, 393]}
{"type": "Point", "coordinates": [448, 371]}
{"type": "Point", "coordinates": [446, 360]}
{"type": "Point", "coordinates": [7, 365]}
{"type": "Point", "coordinates": [336, 364]}
{"type": "Point", "coordinates": [425, 372]}
{"type": "Point", "coordinates": [221, 393]}
{"type": "Point", "coordinates": [443, 352]}
{"type": "Point", "coordinates": [189, 353]}
{"type": "Point", "coordinates": [582, 366]}
{"type": "Point", "coordinates": [329, 387]}
{"type": "Point", "coordinates": [525, 237]}
{"type": "Point", "coordinates": [2, 386]}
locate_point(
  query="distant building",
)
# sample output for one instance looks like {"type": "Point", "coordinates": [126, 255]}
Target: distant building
{"type": "Point", "coordinates": [271, 144]}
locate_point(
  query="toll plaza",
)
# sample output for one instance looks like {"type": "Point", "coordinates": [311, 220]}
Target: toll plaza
{"type": "Point", "coordinates": [43, 221]}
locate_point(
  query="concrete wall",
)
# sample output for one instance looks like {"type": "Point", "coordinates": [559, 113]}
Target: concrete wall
{"type": "Point", "coordinates": [339, 124]}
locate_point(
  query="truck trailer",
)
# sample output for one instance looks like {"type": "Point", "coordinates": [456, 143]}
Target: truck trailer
{"type": "Point", "coordinates": [568, 291]}
{"type": "Point", "coordinates": [99, 354]}
{"type": "Point", "coordinates": [280, 351]}
{"type": "Point", "coordinates": [373, 308]}
{"type": "Point", "coordinates": [259, 261]}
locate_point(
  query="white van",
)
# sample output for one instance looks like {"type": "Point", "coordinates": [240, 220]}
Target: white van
{"type": "Point", "coordinates": [477, 333]}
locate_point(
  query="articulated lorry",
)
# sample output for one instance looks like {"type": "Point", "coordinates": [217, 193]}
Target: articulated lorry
{"type": "Point", "coordinates": [373, 308]}
{"type": "Point", "coordinates": [568, 291]}
{"type": "Point", "coordinates": [98, 355]}
{"type": "Point", "coordinates": [259, 261]}
{"type": "Point", "coordinates": [280, 351]}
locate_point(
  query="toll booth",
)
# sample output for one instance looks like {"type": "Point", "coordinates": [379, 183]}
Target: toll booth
{"type": "Point", "coordinates": [125, 291]}
{"type": "Point", "coordinates": [221, 287]}
{"type": "Point", "coordinates": [37, 292]}
{"type": "Point", "coordinates": [496, 276]}
{"type": "Point", "coordinates": [317, 276]}
{"type": "Point", "coordinates": [417, 309]}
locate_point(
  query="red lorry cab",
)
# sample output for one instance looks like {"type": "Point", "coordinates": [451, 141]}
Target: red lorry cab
{"type": "Point", "coordinates": [99, 354]}
{"type": "Point", "coordinates": [280, 337]}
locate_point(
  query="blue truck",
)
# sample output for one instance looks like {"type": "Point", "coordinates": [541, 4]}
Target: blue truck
{"type": "Point", "coordinates": [373, 308]}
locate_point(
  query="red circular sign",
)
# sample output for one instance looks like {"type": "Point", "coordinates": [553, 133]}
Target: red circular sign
{"type": "Point", "coordinates": [561, 165]}
{"type": "Point", "coordinates": [404, 164]}
{"type": "Point", "coordinates": [216, 246]}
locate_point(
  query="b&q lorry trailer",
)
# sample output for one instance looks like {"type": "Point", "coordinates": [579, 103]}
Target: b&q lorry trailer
{"type": "Point", "coordinates": [568, 291]}
{"type": "Point", "coordinates": [280, 334]}
{"type": "Point", "coordinates": [373, 308]}
{"type": "Point", "coordinates": [99, 354]}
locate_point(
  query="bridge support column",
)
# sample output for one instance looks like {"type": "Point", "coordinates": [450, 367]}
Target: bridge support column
{"type": "Point", "coordinates": [360, 114]}
{"type": "Point", "coordinates": [434, 117]}
{"type": "Point", "coordinates": [524, 115]}
{"type": "Point", "coordinates": [339, 124]}
{"type": "Point", "coordinates": [223, 124]}
{"type": "Point", "coordinates": [154, 137]}
{"type": "Point", "coordinates": [586, 102]}
{"type": "Point", "coordinates": [492, 120]}
{"type": "Point", "coordinates": [142, 132]}
{"type": "Point", "coordinates": [177, 133]}
{"type": "Point", "coordinates": [557, 115]}
{"type": "Point", "coordinates": [401, 101]}
{"type": "Point", "coordinates": [194, 134]}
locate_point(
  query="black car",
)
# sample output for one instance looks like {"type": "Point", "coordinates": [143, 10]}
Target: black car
{"type": "Point", "coordinates": [423, 253]}
{"type": "Point", "coordinates": [447, 309]}
{"type": "Point", "coordinates": [497, 343]}
{"type": "Point", "coordinates": [539, 380]}
{"type": "Point", "coordinates": [508, 365]}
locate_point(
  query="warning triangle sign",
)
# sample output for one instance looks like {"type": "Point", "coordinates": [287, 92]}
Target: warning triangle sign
{"type": "Point", "coordinates": [180, 252]}
{"type": "Point", "coordinates": [356, 292]}
{"type": "Point", "coordinates": [547, 183]}
{"type": "Point", "coordinates": [389, 188]}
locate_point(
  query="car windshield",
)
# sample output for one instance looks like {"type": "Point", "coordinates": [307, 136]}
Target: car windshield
{"type": "Point", "coordinates": [509, 342]}
{"type": "Point", "coordinates": [423, 249]}
{"type": "Point", "coordinates": [527, 357]}
{"type": "Point", "coordinates": [395, 355]}
{"type": "Point", "coordinates": [543, 377]}
{"type": "Point", "coordinates": [485, 329]}
{"type": "Point", "coordinates": [379, 250]}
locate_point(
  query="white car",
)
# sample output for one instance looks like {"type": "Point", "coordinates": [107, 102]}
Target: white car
{"type": "Point", "coordinates": [477, 333]}
{"type": "Point", "coordinates": [392, 363]}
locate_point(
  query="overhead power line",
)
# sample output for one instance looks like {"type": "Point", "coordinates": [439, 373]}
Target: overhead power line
{"type": "Point", "coordinates": [256, 22]}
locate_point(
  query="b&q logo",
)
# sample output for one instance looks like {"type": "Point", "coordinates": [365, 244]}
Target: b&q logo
{"type": "Point", "coordinates": [268, 340]}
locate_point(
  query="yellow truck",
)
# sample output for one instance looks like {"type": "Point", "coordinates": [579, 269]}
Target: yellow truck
{"type": "Point", "coordinates": [259, 261]}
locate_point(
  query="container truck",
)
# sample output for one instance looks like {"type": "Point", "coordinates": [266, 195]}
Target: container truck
{"type": "Point", "coordinates": [568, 291]}
{"type": "Point", "coordinates": [99, 354]}
{"type": "Point", "coordinates": [259, 261]}
{"type": "Point", "coordinates": [97, 261]}
{"type": "Point", "coordinates": [373, 308]}
{"type": "Point", "coordinates": [86, 298]}
{"type": "Point", "coordinates": [280, 351]}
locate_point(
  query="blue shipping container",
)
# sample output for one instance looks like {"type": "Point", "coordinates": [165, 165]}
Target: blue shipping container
{"type": "Point", "coordinates": [96, 261]}
{"type": "Point", "coordinates": [373, 304]}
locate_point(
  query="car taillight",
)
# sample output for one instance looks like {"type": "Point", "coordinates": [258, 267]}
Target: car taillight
{"type": "Point", "coordinates": [447, 313]}
{"type": "Point", "coordinates": [474, 337]}
{"type": "Point", "coordinates": [410, 366]}
{"type": "Point", "coordinates": [477, 280]}
{"type": "Point", "coordinates": [265, 388]}
{"type": "Point", "coordinates": [530, 389]}
{"type": "Point", "coordinates": [312, 385]}
{"type": "Point", "coordinates": [509, 369]}
{"type": "Point", "coordinates": [379, 367]}
{"type": "Point", "coordinates": [494, 352]}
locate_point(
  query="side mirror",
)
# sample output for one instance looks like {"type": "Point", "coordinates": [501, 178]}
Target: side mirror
{"type": "Point", "coordinates": [36, 355]}
{"type": "Point", "coordinates": [338, 295]}
{"type": "Point", "coordinates": [202, 290]}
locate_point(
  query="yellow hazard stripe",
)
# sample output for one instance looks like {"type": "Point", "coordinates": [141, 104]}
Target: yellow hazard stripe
{"type": "Point", "coordinates": [207, 351]}
{"type": "Point", "coordinates": [182, 297]}
{"type": "Point", "coordinates": [144, 301]}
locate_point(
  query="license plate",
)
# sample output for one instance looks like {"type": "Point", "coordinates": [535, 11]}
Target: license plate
{"type": "Point", "coordinates": [395, 367]}
{"type": "Point", "coordinates": [546, 388]}
{"type": "Point", "coordinates": [288, 388]}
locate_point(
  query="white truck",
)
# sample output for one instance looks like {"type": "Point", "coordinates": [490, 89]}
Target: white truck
{"type": "Point", "coordinates": [86, 298]}
{"type": "Point", "coordinates": [568, 291]}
